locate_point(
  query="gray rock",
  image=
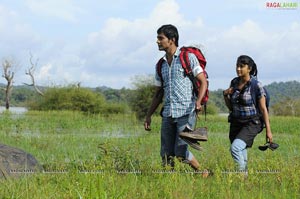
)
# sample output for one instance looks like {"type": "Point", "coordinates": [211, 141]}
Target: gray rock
{"type": "Point", "coordinates": [15, 162]}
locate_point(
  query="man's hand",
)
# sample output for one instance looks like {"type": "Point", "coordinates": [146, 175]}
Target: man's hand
{"type": "Point", "coordinates": [198, 106]}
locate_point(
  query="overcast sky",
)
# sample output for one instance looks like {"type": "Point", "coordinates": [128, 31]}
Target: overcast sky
{"type": "Point", "coordinates": [99, 42]}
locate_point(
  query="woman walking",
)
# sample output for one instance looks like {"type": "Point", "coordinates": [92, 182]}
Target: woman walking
{"type": "Point", "coordinates": [245, 112]}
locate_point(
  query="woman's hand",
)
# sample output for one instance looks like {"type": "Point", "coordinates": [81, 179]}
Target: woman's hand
{"type": "Point", "coordinates": [226, 94]}
{"type": "Point", "coordinates": [228, 91]}
{"type": "Point", "coordinates": [269, 136]}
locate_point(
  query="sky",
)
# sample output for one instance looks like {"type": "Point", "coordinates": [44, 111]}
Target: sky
{"type": "Point", "coordinates": [110, 43]}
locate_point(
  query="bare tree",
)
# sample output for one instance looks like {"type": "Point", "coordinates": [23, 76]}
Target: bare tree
{"type": "Point", "coordinates": [291, 104]}
{"type": "Point", "coordinates": [8, 74]}
{"type": "Point", "coordinates": [30, 72]}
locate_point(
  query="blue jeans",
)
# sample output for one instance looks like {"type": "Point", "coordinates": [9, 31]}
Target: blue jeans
{"type": "Point", "coordinates": [239, 153]}
{"type": "Point", "coordinates": [171, 144]}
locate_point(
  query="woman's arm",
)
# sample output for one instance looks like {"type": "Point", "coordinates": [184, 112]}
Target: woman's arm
{"type": "Point", "coordinates": [226, 95]}
{"type": "Point", "coordinates": [265, 115]}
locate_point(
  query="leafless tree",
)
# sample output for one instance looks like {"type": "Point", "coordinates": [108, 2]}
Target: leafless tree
{"type": "Point", "coordinates": [291, 105]}
{"type": "Point", "coordinates": [8, 74]}
{"type": "Point", "coordinates": [30, 72]}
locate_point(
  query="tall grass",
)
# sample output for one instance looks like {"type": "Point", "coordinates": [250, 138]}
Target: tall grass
{"type": "Point", "coordinates": [111, 156]}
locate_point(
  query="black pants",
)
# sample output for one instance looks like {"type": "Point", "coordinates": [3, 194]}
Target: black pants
{"type": "Point", "coordinates": [245, 129]}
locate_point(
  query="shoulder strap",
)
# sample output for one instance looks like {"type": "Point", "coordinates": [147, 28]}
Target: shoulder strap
{"type": "Point", "coordinates": [185, 62]}
{"type": "Point", "coordinates": [158, 67]}
{"type": "Point", "coordinates": [253, 90]}
{"type": "Point", "coordinates": [233, 81]}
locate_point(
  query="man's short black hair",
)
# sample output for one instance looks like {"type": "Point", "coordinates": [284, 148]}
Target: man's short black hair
{"type": "Point", "coordinates": [170, 32]}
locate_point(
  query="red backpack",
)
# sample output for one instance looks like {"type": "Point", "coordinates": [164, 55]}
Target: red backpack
{"type": "Point", "coordinates": [185, 62]}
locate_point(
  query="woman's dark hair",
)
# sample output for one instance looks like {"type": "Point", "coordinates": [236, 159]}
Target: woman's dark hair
{"type": "Point", "coordinates": [170, 32]}
{"type": "Point", "coordinates": [245, 59]}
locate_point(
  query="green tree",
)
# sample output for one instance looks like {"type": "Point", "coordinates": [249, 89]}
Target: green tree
{"type": "Point", "coordinates": [22, 95]}
{"type": "Point", "coordinates": [217, 100]}
{"type": "Point", "coordinates": [211, 108]}
{"type": "Point", "coordinates": [142, 94]}
{"type": "Point", "coordinates": [115, 95]}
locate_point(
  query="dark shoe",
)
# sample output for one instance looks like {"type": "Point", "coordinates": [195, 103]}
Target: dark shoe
{"type": "Point", "coordinates": [193, 143]}
{"type": "Point", "coordinates": [271, 146]}
{"type": "Point", "coordinates": [263, 147]}
{"type": "Point", "coordinates": [199, 134]}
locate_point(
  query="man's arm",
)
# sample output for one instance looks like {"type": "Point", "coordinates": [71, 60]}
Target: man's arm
{"type": "Point", "coordinates": [199, 74]}
{"type": "Point", "coordinates": [156, 100]}
{"type": "Point", "coordinates": [203, 86]}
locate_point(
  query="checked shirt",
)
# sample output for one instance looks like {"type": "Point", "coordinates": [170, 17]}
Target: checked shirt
{"type": "Point", "coordinates": [241, 100]}
{"type": "Point", "coordinates": [178, 88]}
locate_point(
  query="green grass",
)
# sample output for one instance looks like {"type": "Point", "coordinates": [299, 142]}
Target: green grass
{"type": "Point", "coordinates": [111, 156]}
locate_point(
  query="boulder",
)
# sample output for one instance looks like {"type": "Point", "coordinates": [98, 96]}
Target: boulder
{"type": "Point", "coordinates": [15, 162]}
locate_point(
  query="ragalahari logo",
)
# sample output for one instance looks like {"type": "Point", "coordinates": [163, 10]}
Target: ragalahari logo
{"type": "Point", "coordinates": [283, 5]}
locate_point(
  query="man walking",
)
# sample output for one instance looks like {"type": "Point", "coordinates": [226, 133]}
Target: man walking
{"type": "Point", "coordinates": [180, 105]}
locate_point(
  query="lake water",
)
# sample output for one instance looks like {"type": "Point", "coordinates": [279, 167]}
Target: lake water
{"type": "Point", "coordinates": [17, 110]}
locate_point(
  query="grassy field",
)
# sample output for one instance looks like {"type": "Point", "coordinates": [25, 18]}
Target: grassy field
{"type": "Point", "coordinates": [111, 156]}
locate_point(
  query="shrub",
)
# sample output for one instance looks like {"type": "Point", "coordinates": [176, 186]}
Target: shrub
{"type": "Point", "coordinates": [76, 99]}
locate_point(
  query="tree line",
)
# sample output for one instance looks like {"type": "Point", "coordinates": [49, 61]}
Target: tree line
{"type": "Point", "coordinates": [285, 96]}
{"type": "Point", "coordinates": [285, 99]}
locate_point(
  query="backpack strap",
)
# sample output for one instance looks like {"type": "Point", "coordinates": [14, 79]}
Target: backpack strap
{"type": "Point", "coordinates": [253, 91]}
{"type": "Point", "coordinates": [158, 68]}
{"type": "Point", "coordinates": [233, 82]}
{"type": "Point", "coordinates": [185, 62]}
{"type": "Point", "coordinates": [186, 65]}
